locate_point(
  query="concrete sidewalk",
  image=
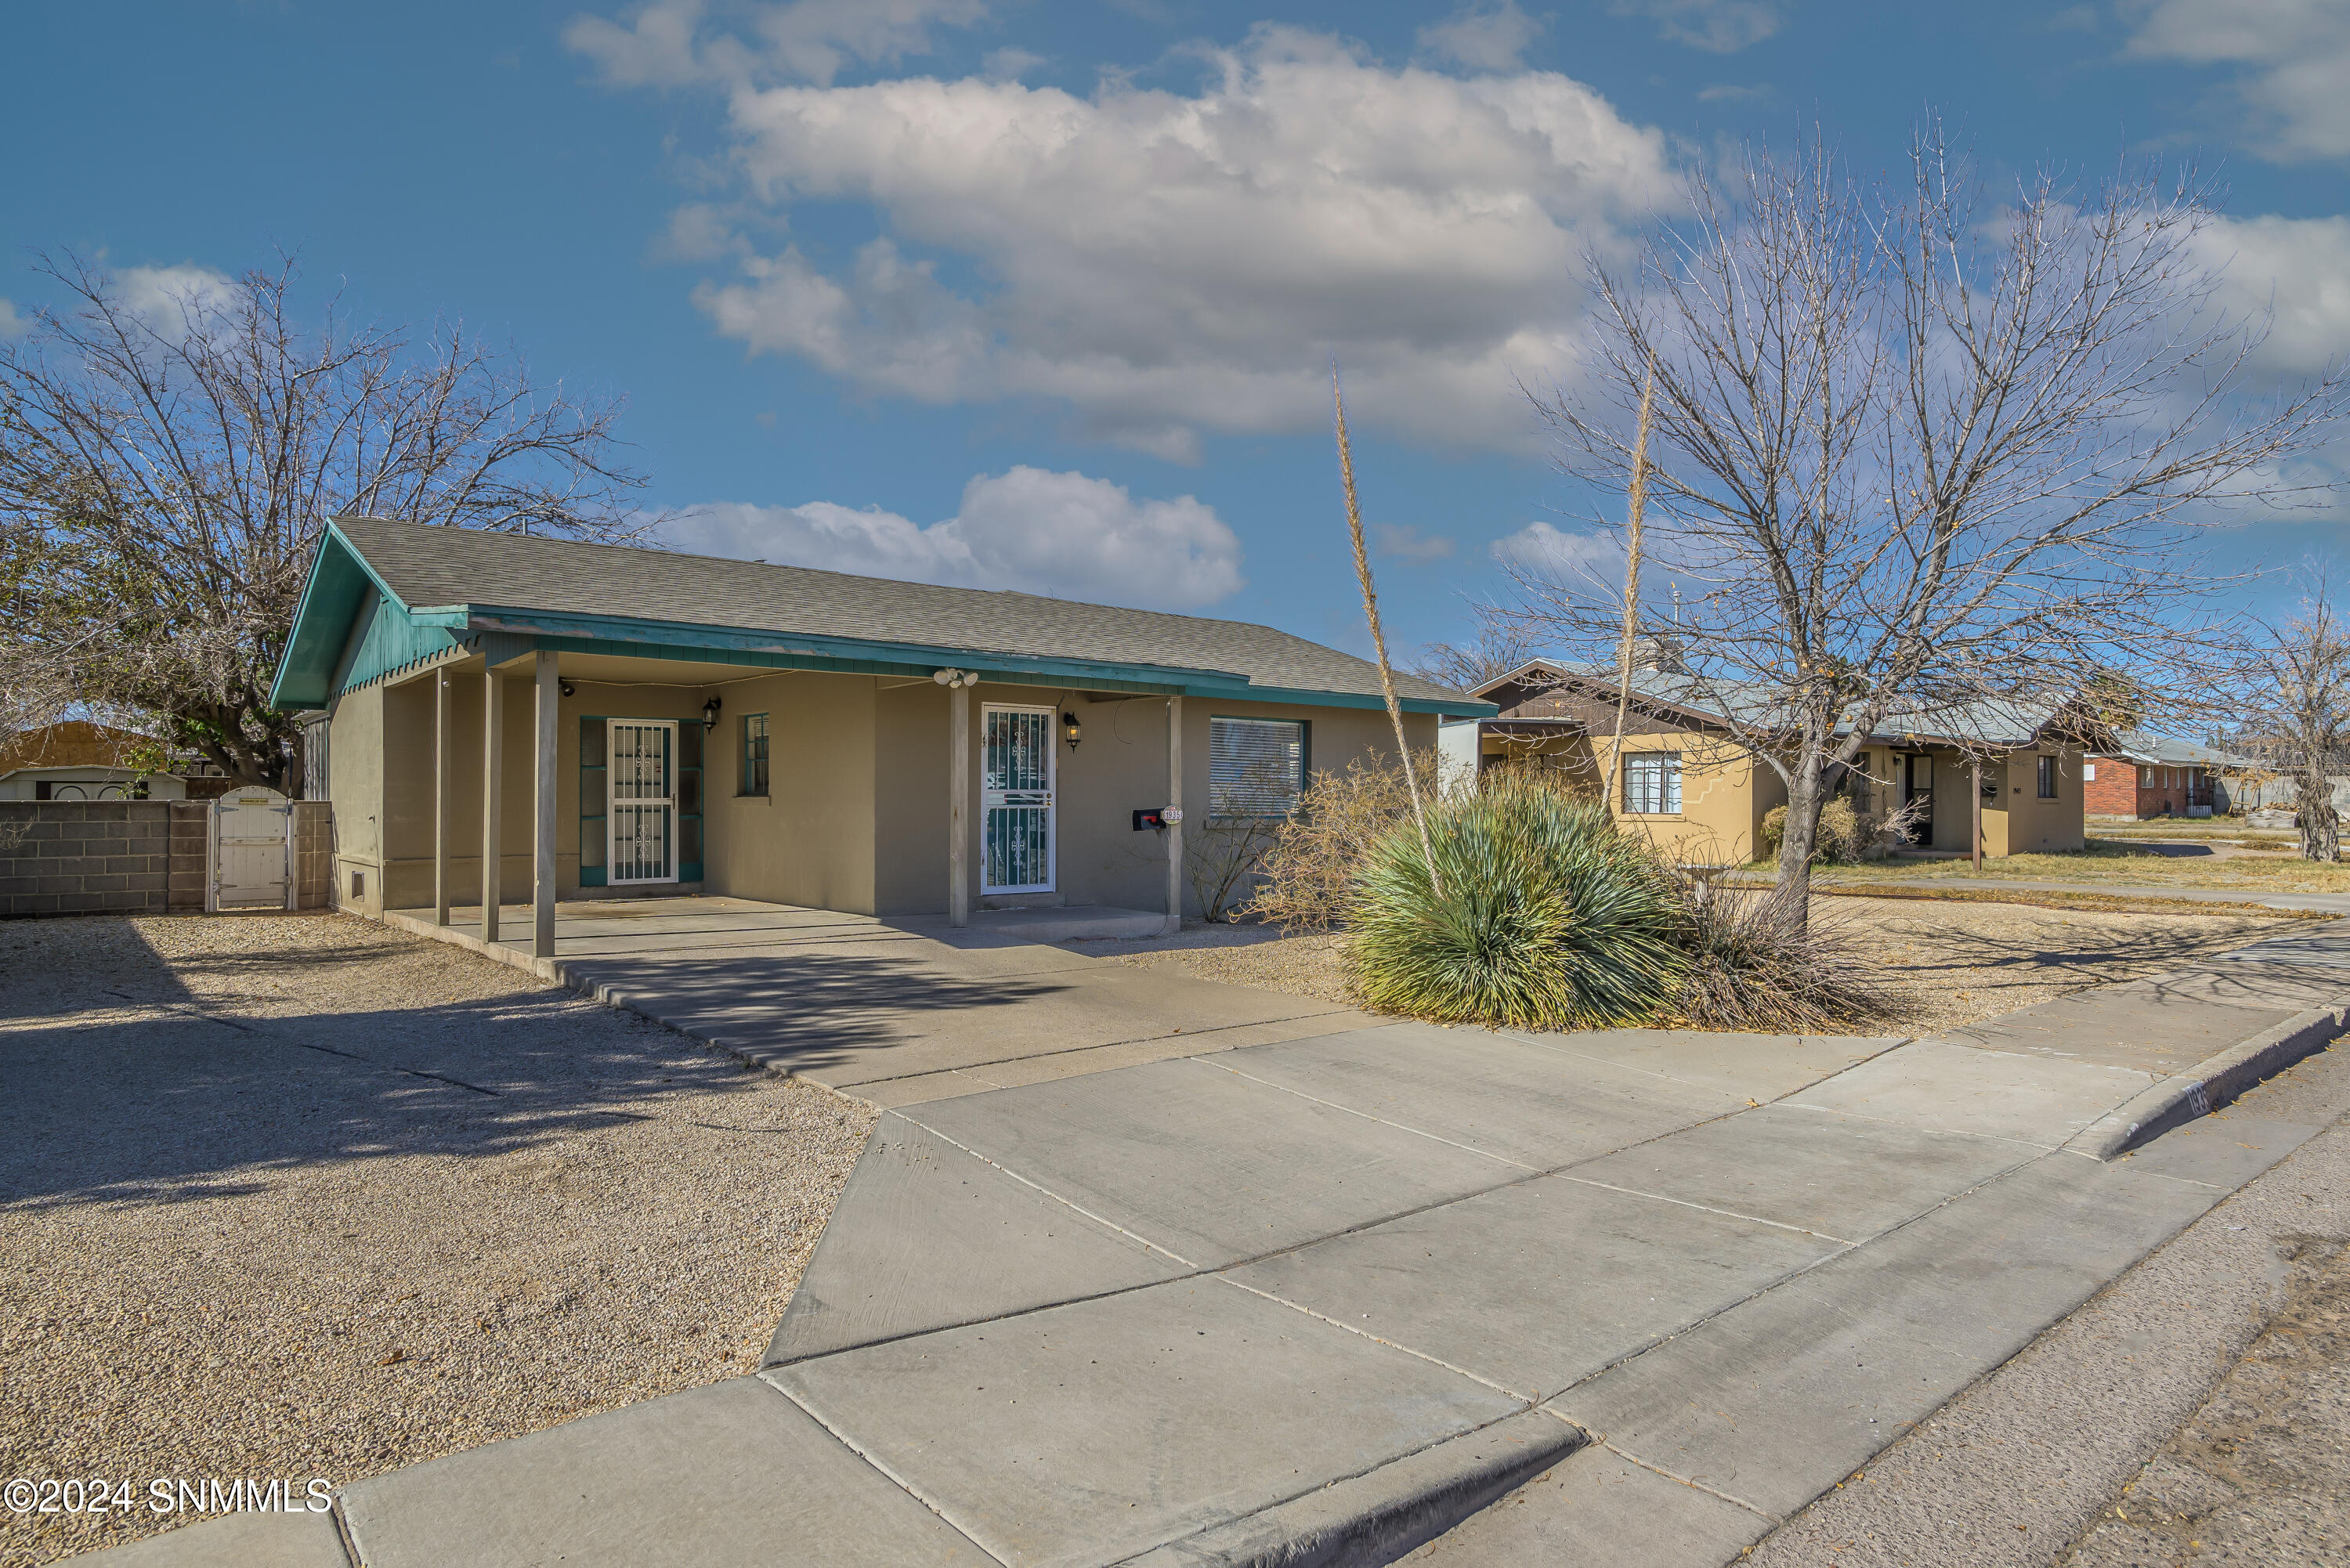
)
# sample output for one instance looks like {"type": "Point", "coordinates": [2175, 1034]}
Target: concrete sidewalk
{"type": "Point", "coordinates": [1319, 1297]}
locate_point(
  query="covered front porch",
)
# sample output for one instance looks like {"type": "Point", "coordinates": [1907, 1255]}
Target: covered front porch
{"type": "Point", "coordinates": [574, 778]}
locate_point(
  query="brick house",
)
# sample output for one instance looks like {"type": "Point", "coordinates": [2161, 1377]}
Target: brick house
{"type": "Point", "coordinates": [2147, 776]}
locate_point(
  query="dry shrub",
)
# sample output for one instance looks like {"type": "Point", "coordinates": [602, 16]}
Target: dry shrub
{"type": "Point", "coordinates": [1846, 834]}
{"type": "Point", "coordinates": [1308, 876]}
{"type": "Point", "coordinates": [1753, 967]}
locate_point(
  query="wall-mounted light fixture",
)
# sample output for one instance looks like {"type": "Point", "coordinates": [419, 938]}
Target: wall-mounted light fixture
{"type": "Point", "coordinates": [709, 714]}
{"type": "Point", "coordinates": [568, 689]}
{"type": "Point", "coordinates": [1071, 730]}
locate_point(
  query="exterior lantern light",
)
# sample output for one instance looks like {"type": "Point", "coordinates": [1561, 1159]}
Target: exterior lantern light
{"type": "Point", "coordinates": [709, 714]}
{"type": "Point", "coordinates": [1071, 730]}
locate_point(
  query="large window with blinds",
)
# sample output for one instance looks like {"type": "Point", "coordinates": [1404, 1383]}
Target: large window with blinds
{"type": "Point", "coordinates": [1256, 767]}
{"type": "Point", "coordinates": [1652, 783]}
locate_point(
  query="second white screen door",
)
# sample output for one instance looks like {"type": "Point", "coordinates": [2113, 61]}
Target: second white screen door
{"type": "Point", "coordinates": [1017, 799]}
{"type": "Point", "coordinates": [641, 758]}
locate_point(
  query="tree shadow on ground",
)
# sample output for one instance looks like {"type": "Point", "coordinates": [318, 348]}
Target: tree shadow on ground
{"type": "Point", "coordinates": [187, 1098]}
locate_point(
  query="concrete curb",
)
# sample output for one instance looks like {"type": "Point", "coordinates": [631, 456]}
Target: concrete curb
{"type": "Point", "coordinates": [2184, 1096]}
{"type": "Point", "coordinates": [1379, 1516]}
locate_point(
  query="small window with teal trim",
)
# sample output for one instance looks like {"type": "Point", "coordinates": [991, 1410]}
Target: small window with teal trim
{"type": "Point", "coordinates": [755, 754]}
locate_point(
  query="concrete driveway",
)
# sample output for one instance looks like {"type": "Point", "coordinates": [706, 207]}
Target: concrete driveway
{"type": "Point", "coordinates": [1298, 1286]}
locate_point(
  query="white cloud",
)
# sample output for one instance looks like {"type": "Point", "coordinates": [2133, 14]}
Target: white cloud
{"type": "Point", "coordinates": [1491, 39]}
{"type": "Point", "coordinates": [2297, 267]}
{"type": "Point", "coordinates": [661, 43]}
{"type": "Point", "coordinates": [167, 295]}
{"type": "Point", "coordinates": [1407, 543]}
{"type": "Point", "coordinates": [1552, 554]}
{"type": "Point", "coordinates": [11, 324]}
{"type": "Point", "coordinates": [2293, 56]}
{"type": "Point", "coordinates": [1722, 26]}
{"type": "Point", "coordinates": [1008, 65]}
{"type": "Point", "coordinates": [1165, 263]}
{"type": "Point", "coordinates": [1066, 534]}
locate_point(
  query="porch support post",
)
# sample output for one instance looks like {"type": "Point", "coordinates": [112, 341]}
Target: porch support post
{"type": "Point", "coordinates": [1978, 800]}
{"type": "Point", "coordinates": [958, 807]}
{"type": "Point", "coordinates": [542, 888]}
{"type": "Point", "coordinates": [1175, 829]}
{"type": "Point", "coordinates": [494, 719]}
{"type": "Point", "coordinates": [443, 777]}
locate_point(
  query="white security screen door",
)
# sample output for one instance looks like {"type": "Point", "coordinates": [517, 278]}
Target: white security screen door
{"type": "Point", "coordinates": [1016, 800]}
{"type": "Point", "coordinates": [642, 757]}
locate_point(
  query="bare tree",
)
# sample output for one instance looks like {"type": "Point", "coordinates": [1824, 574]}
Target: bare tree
{"type": "Point", "coordinates": [2292, 696]}
{"type": "Point", "coordinates": [165, 474]}
{"type": "Point", "coordinates": [1915, 457]}
{"type": "Point", "coordinates": [1501, 646]}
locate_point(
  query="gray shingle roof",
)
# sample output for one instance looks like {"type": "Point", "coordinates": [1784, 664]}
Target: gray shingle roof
{"type": "Point", "coordinates": [429, 565]}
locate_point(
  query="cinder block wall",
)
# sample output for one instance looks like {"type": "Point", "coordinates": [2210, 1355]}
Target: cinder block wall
{"type": "Point", "coordinates": [135, 857]}
{"type": "Point", "coordinates": [86, 856]}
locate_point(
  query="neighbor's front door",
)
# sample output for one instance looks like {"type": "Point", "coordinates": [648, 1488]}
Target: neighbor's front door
{"type": "Point", "coordinates": [641, 754]}
{"type": "Point", "coordinates": [1918, 789]}
{"type": "Point", "coordinates": [1016, 800]}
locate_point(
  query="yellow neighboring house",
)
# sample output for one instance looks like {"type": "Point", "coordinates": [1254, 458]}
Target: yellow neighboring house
{"type": "Point", "coordinates": [1681, 779]}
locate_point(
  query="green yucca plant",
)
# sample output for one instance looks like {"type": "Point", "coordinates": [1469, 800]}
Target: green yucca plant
{"type": "Point", "coordinates": [1547, 918]}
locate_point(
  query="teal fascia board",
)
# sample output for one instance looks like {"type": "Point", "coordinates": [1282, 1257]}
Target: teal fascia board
{"type": "Point", "coordinates": [625, 638]}
{"type": "Point", "coordinates": [341, 587]}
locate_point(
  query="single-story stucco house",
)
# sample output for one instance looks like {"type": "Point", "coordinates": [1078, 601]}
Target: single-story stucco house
{"type": "Point", "coordinates": [641, 722]}
{"type": "Point", "coordinates": [1683, 781]}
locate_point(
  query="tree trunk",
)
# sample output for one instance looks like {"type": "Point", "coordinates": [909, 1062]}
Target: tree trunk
{"type": "Point", "coordinates": [2321, 828]}
{"type": "Point", "coordinates": [1804, 798]}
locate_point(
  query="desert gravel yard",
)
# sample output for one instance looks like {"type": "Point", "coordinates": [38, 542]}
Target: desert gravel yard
{"type": "Point", "coordinates": [1955, 962]}
{"type": "Point", "coordinates": [298, 1196]}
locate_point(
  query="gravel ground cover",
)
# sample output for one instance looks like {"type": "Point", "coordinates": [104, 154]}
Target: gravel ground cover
{"type": "Point", "coordinates": [304, 1197]}
{"type": "Point", "coordinates": [1955, 962]}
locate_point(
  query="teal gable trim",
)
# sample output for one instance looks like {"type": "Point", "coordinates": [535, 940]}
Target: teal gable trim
{"type": "Point", "coordinates": [393, 642]}
{"type": "Point", "coordinates": [342, 589]}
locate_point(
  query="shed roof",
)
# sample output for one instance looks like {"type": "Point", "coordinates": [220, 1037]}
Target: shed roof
{"type": "Point", "coordinates": [469, 579]}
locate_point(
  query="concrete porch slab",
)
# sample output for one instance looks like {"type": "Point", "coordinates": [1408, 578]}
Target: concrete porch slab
{"type": "Point", "coordinates": [926, 1236]}
{"type": "Point", "coordinates": [1087, 1434]}
{"type": "Point", "coordinates": [1060, 923]}
{"type": "Point", "coordinates": [1212, 1167]}
{"type": "Point", "coordinates": [1538, 1285]}
{"type": "Point", "coordinates": [733, 1473]}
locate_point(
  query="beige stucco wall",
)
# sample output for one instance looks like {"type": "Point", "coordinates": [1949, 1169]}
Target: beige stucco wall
{"type": "Point", "coordinates": [2016, 820]}
{"type": "Point", "coordinates": [1724, 795]}
{"type": "Point", "coordinates": [810, 840]}
{"type": "Point", "coordinates": [355, 752]}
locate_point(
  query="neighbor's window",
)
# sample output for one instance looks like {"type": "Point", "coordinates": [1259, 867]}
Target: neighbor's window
{"type": "Point", "coordinates": [755, 754]}
{"type": "Point", "coordinates": [2047, 778]}
{"type": "Point", "coordinates": [1652, 783]}
{"type": "Point", "coordinates": [2088, 772]}
{"type": "Point", "coordinates": [1256, 767]}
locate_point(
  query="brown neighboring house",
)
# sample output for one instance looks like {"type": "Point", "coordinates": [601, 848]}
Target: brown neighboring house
{"type": "Point", "coordinates": [1682, 779]}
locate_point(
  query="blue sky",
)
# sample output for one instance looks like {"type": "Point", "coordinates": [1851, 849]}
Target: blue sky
{"type": "Point", "coordinates": [1042, 296]}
